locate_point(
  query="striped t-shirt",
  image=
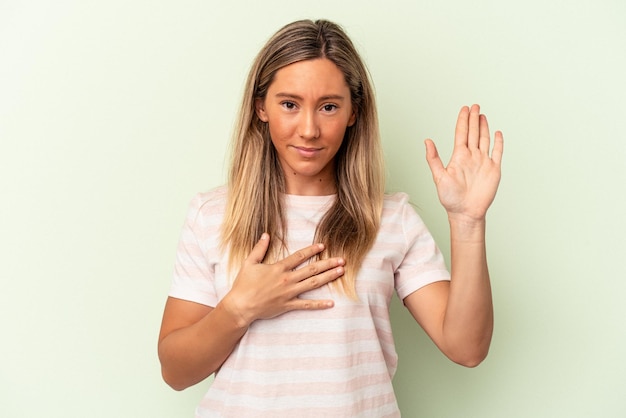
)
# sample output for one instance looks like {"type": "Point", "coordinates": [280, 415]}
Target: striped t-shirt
{"type": "Point", "coordinates": [337, 362]}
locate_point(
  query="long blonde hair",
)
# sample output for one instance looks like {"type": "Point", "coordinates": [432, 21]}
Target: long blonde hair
{"type": "Point", "coordinates": [256, 180]}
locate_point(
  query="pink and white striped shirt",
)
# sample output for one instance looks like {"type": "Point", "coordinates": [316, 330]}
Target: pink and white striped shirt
{"type": "Point", "coordinates": [337, 362]}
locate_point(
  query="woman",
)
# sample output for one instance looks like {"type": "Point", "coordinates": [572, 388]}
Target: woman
{"type": "Point", "coordinates": [284, 277]}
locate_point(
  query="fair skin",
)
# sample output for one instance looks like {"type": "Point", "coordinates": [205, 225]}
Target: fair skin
{"type": "Point", "coordinates": [458, 316]}
{"type": "Point", "coordinates": [308, 110]}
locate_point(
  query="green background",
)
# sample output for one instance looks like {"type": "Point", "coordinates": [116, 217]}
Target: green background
{"type": "Point", "coordinates": [113, 114]}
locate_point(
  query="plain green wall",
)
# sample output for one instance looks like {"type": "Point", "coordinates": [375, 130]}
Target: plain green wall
{"type": "Point", "coordinates": [114, 113]}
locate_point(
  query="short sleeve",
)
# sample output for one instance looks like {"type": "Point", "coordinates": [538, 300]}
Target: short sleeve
{"type": "Point", "coordinates": [423, 262]}
{"type": "Point", "coordinates": [194, 275]}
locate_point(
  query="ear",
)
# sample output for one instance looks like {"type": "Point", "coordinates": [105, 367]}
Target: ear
{"type": "Point", "coordinates": [352, 119]}
{"type": "Point", "coordinates": [259, 107]}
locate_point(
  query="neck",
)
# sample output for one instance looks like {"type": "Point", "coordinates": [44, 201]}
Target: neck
{"type": "Point", "coordinates": [317, 186]}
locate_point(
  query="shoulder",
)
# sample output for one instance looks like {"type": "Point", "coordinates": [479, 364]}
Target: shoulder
{"type": "Point", "coordinates": [396, 203]}
{"type": "Point", "coordinates": [208, 204]}
{"type": "Point", "coordinates": [398, 210]}
{"type": "Point", "coordinates": [396, 199]}
{"type": "Point", "coordinates": [214, 196]}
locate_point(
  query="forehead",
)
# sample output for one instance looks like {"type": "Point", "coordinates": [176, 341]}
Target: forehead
{"type": "Point", "coordinates": [316, 76]}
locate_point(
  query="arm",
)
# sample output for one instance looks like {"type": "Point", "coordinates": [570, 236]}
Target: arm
{"type": "Point", "coordinates": [458, 316]}
{"type": "Point", "coordinates": [195, 339]}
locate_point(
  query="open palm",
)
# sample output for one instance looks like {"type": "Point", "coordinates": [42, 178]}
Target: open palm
{"type": "Point", "coordinates": [468, 184]}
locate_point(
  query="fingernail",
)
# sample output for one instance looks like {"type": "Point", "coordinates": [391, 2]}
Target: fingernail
{"type": "Point", "coordinates": [264, 236]}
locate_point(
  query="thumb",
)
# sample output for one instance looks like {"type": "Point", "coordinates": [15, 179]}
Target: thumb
{"type": "Point", "coordinates": [259, 250]}
{"type": "Point", "coordinates": [433, 160]}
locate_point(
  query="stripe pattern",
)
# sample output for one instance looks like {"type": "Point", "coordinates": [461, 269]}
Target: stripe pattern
{"type": "Point", "coordinates": [337, 362]}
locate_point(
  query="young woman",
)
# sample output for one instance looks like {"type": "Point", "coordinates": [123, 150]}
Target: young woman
{"type": "Point", "coordinates": [284, 277]}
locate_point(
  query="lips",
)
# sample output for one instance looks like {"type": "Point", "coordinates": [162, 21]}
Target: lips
{"type": "Point", "coordinates": [307, 152]}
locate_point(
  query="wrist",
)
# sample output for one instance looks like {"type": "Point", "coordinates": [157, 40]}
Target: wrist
{"type": "Point", "coordinates": [467, 229]}
{"type": "Point", "coordinates": [233, 311]}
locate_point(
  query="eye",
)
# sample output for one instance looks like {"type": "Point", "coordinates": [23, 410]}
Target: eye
{"type": "Point", "coordinates": [329, 107]}
{"type": "Point", "coordinates": [288, 105]}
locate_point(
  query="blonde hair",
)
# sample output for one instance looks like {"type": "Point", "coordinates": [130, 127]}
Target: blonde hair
{"type": "Point", "coordinates": [256, 180]}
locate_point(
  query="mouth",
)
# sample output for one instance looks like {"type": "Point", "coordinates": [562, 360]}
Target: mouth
{"type": "Point", "coordinates": [307, 152]}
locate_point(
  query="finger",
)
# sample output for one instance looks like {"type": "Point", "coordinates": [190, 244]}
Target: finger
{"type": "Point", "coordinates": [300, 256]}
{"type": "Point", "coordinates": [318, 268]}
{"type": "Point", "coordinates": [485, 137]}
{"type": "Point", "coordinates": [473, 133]}
{"type": "Point", "coordinates": [498, 148]}
{"type": "Point", "coordinates": [462, 126]}
{"type": "Point", "coordinates": [309, 305]}
{"type": "Point", "coordinates": [319, 280]}
{"type": "Point", "coordinates": [259, 250]}
{"type": "Point", "coordinates": [433, 160]}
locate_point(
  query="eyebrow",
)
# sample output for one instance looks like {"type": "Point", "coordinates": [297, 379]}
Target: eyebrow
{"type": "Point", "coordinates": [326, 97]}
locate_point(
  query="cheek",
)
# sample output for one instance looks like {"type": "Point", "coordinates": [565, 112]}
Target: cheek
{"type": "Point", "coordinates": [279, 130]}
{"type": "Point", "coordinates": [337, 131]}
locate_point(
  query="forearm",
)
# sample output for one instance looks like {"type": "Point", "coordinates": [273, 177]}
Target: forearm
{"type": "Point", "coordinates": [468, 321]}
{"type": "Point", "coordinates": [189, 355]}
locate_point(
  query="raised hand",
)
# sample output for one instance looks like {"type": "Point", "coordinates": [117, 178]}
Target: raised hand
{"type": "Point", "coordinates": [468, 184]}
{"type": "Point", "coordinates": [262, 291]}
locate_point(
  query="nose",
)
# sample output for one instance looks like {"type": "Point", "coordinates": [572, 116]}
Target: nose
{"type": "Point", "coordinates": [308, 126]}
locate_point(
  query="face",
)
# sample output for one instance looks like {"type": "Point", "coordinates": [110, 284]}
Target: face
{"type": "Point", "coordinates": [308, 109]}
